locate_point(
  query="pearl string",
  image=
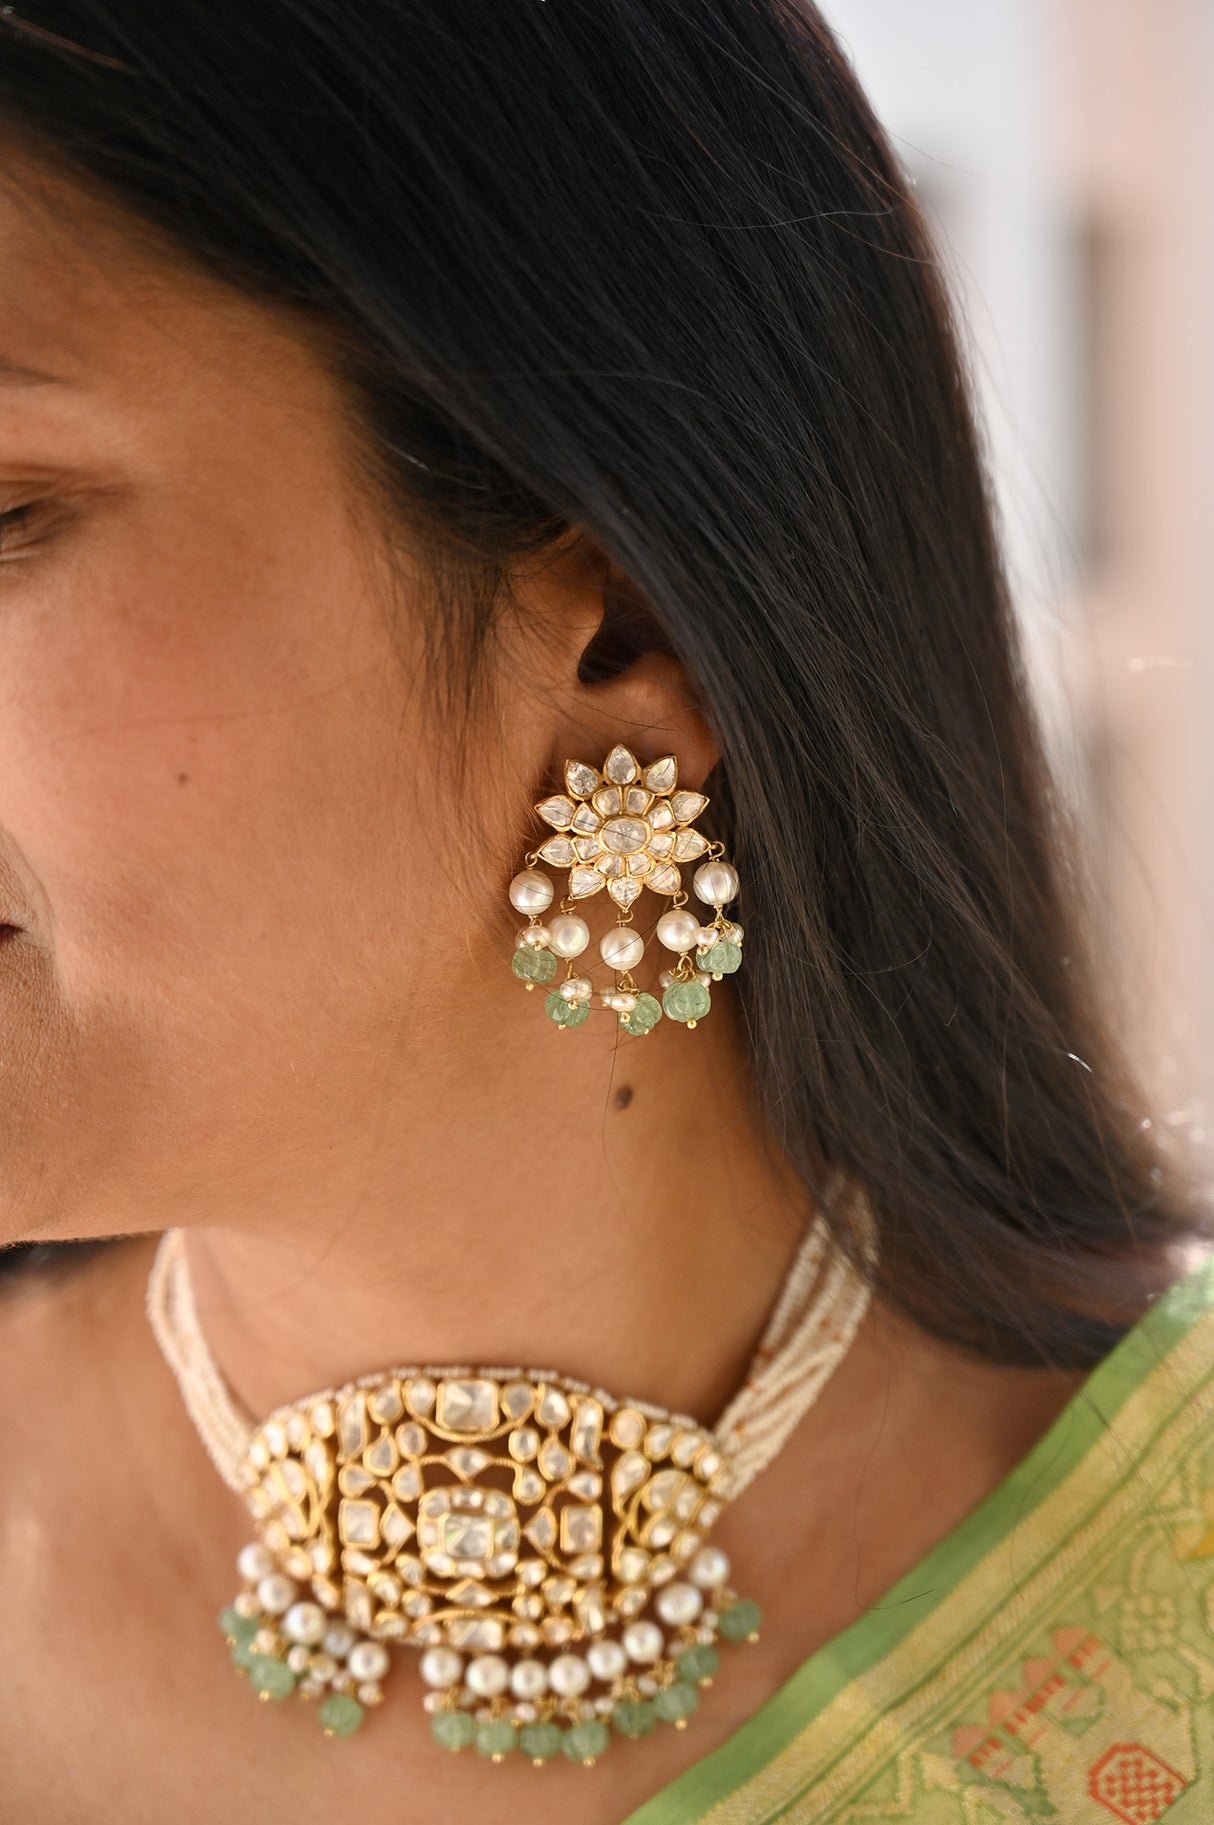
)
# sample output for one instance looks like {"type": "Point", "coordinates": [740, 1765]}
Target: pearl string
{"type": "Point", "coordinates": [816, 1315]}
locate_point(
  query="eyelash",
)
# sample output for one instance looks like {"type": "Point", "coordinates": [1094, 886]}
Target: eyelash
{"type": "Point", "coordinates": [17, 517]}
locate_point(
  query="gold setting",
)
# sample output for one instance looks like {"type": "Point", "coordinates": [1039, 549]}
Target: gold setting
{"type": "Point", "coordinates": [624, 828]}
{"type": "Point", "coordinates": [481, 1511]}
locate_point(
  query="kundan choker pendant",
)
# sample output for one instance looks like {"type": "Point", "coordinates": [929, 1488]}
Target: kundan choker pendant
{"type": "Point", "coordinates": [543, 1544]}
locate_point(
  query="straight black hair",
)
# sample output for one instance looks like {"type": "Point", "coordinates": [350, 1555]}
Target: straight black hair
{"type": "Point", "coordinates": [650, 268]}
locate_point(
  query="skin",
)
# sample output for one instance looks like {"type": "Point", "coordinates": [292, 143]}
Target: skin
{"type": "Point", "coordinates": [256, 987]}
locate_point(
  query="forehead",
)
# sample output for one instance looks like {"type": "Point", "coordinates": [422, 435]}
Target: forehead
{"type": "Point", "coordinates": [96, 302]}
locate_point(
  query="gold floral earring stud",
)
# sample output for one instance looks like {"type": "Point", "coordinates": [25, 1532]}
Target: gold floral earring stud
{"type": "Point", "coordinates": [625, 828]}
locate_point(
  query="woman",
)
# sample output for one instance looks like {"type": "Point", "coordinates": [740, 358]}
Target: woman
{"type": "Point", "coordinates": [399, 404]}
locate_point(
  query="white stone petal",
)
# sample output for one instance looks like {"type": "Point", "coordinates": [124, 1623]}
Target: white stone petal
{"type": "Point", "coordinates": [688, 844]}
{"type": "Point", "coordinates": [610, 865]}
{"type": "Point", "coordinates": [687, 805]}
{"type": "Point", "coordinates": [661, 817]}
{"type": "Point", "coordinates": [660, 844]}
{"type": "Point", "coordinates": [586, 820]}
{"type": "Point", "coordinates": [665, 878]}
{"type": "Point", "coordinates": [640, 864]}
{"type": "Point", "coordinates": [624, 890]}
{"type": "Point", "coordinates": [621, 765]}
{"type": "Point", "coordinates": [586, 848]}
{"type": "Point", "coordinates": [585, 881]}
{"type": "Point", "coordinates": [557, 811]}
{"type": "Point", "coordinates": [608, 800]}
{"type": "Point", "coordinates": [661, 775]}
{"type": "Point", "coordinates": [581, 779]}
{"type": "Point", "coordinates": [637, 799]}
{"type": "Point", "coordinates": [559, 851]}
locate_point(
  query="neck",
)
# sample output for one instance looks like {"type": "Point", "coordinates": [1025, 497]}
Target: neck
{"type": "Point", "coordinates": [607, 1214]}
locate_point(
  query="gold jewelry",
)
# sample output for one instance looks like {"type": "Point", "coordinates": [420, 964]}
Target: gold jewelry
{"type": "Point", "coordinates": [626, 828]}
{"type": "Point", "coordinates": [542, 1542]}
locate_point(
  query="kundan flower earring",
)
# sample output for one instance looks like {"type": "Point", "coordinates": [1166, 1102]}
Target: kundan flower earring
{"type": "Point", "coordinates": [623, 829]}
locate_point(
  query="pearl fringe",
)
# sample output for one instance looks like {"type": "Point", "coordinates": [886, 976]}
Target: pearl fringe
{"type": "Point", "coordinates": [815, 1318]}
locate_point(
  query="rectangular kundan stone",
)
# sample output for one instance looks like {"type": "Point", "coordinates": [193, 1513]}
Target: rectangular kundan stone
{"type": "Point", "coordinates": [358, 1523]}
{"type": "Point", "coordinates": [467, 1406]}
{"type": "Point", "coordinates": [581, 1529]}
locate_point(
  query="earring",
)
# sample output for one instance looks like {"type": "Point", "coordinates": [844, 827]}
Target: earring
{"type": "Point", "coordinates": [625, 828]}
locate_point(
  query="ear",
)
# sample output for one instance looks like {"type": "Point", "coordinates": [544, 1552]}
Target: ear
{"type": "Point", "coordinates": [611, 669]}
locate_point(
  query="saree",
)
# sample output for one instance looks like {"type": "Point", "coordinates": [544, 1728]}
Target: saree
{"type": "Point", "coordinates": [1051, 1659]}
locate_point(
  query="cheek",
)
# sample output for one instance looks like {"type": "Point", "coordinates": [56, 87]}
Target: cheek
{"type": "Point", "coordinates": [236, 841]}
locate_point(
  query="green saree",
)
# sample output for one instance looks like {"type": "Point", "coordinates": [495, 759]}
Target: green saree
{"type": "Point", "coordinates": [1051, 1659]}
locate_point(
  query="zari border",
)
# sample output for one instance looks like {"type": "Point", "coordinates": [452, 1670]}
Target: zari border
{"type": "Point", "coordinates": [831, 1726]}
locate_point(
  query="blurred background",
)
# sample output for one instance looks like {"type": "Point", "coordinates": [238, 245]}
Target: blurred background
{"type": "Point", "coordinates": [1064, 152]}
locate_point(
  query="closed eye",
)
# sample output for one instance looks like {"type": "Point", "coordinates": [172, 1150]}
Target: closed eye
{"type": "Point", "coordinates": [13, 519]}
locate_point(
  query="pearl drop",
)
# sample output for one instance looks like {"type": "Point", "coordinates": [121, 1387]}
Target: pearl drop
{"type": "Point", "coordinates": [488, 1675]}
{"type": "Point", "coordinates": [298, 1658]}
{"type": "Point", "coordinates": [255, 1562]}
{"type": "Point", "coordinates": [568, 935]}
{"type": "Point", "coordinates": [736, 933]}
{"type": "Point", "coordinates": [666, 978]}
{"type": "Point", "coordinates": [704, 977]}
{"type": "Point", "coordinates": [576, 989]}
{"type": "Point", "coordinates": [531, 891]}
{"type": "Point", "coordinates": [323, 1667]}
{"type": "Point", "coordinates": [709, 1568]}
{"type": "Point", "coordinates": [338, 1641]}
{"type": "Point", "coordinates": [677, 929]}
{"type": "Point", "coordinates": [533, 938]}
{"type": "Point", "coordinates": [277, 1593]}
{"type": "Point", "coordinates": [624, 1002]}
{"type": "Point", "coordinates": [305, 1622]}
{"type": "Point", "coordinates": [706, 935]}
{"type": "Point", "coordinates": [643, 1641]}
{"type": "Point", "coordinates": [621, 947]}
{"type": "Point", "coordinates": [528, 1678]}
{"type": "Point", "coordinates": [715, 883]}
{"type": "Point", "coordinates": [441, 1666]}
{"type": "Point", "coordinates": [606, 1659]}
{"type": "Point", "coordinates": [678, 1603]}
{"type": "Point", "coordinates": [569, 1675]}
{"type": "Point", "coordinates": [368, 1660]}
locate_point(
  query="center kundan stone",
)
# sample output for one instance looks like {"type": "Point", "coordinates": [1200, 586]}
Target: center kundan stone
{"type": "Point", "coordinates": [467, 1532]}
{"type": "Point", "coordinates": [624, 835]}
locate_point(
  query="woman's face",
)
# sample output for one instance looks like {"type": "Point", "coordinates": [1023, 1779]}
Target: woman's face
{"type": "Point", "coordinates": [218, 794]}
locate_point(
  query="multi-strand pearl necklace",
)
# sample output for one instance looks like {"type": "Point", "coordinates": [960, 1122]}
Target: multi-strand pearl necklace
{"type": "Point", "coordinates": [516, 1525]}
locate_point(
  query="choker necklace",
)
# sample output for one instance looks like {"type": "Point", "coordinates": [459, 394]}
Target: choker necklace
{"type": "Point", "coordinates": [541, 1541]}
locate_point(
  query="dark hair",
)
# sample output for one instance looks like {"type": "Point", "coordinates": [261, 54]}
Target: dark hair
{"type": "Point", "coordinates": [650, 268]}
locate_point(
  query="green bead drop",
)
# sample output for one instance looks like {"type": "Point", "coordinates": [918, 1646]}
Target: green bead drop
{"type": "Point", "coordinates": [273, 1677]}
{"type": "Point", "coordinates": [633, 1716]}
{"type": "Point", "coordinates": [496, 1737]}
{"type": "Point", "coordinates": [565, 1013]}
{"type": "Point", "coordinates": [686, 1001]}
{"type": "Point", "coordinates": [237, 1627]}
{"type": "Point", "coordinates": [721, 958]}
{"type": "Point", "coordinates": [243, 1654]}
{"type": "Point", "coordinates": [531, 965]}
{"type": "Point", "coordinates": [674, 1702]}
{"type": "Point", "coordinates": [540, 1741]}
{"type": "Point", "coordinates": [586, 1740]}
{"type": "Point", "coordinates": [699, 1662]}
{"type": "Point", "coordinates": [644, 1016]}
{"type": "Point", "coordinates": [741, 1620]}
{"type": "Point", "coordinates": [339, 1714]}
{"type": "Point", "coordinates": [453, 1729]}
